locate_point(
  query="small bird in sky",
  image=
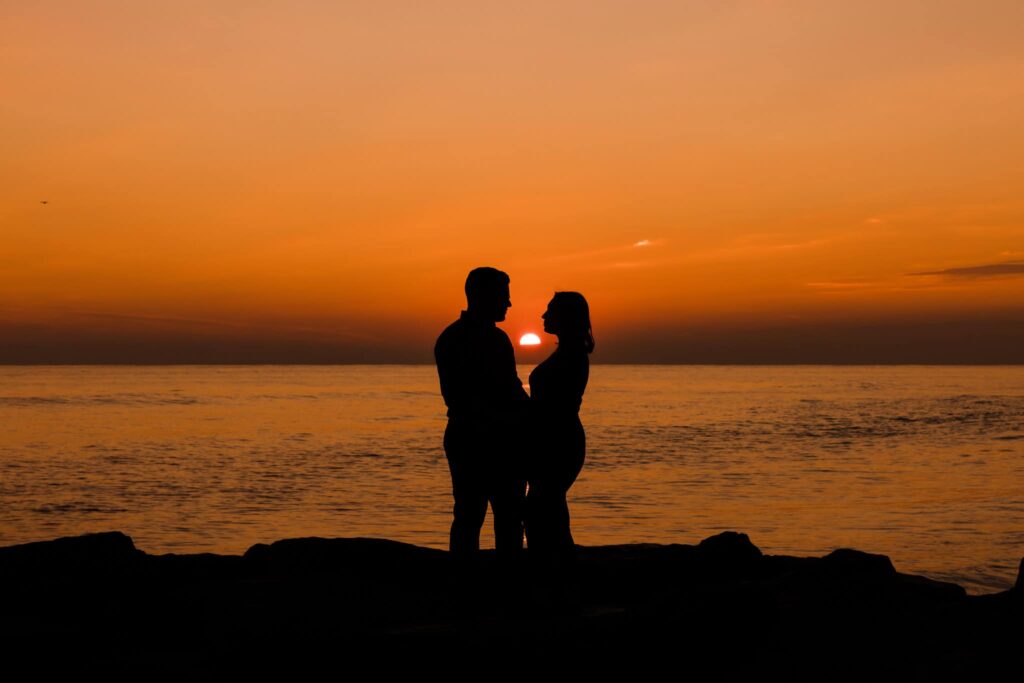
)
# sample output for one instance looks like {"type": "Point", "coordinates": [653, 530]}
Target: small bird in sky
{"type": "Point", "coordinates": [44, 202]}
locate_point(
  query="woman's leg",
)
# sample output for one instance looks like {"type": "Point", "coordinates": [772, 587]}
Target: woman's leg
{"type": "Point", "coordinates": [547, 510]}
{"type": "Point", "coordinates": [573, 466]}
{"type": "Point", "coordinates": [540, 513]}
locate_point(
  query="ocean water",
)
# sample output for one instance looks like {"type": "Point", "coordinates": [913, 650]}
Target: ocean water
{"type": "Point", "coordinates": [924, 464]}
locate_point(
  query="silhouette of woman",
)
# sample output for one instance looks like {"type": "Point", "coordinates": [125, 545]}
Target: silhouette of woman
{"type": "Point", "coordinates": [556, 388]}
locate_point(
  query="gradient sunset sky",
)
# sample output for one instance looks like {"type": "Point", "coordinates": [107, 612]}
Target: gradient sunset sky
{"type": "Point", "coordinates": [310, 181]}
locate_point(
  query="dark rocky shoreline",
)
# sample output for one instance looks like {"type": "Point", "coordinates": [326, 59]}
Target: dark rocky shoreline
{"type": "Point", "coordinates": [717, 610]}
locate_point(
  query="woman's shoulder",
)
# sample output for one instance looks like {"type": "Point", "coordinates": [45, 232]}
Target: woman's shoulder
{"type": "Point", "coordinates": [554, 363]}
{"type": "Point", "coordinates": [573, 364]}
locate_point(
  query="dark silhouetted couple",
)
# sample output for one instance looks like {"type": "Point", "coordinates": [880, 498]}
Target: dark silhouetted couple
{"type": "Point", "coordinates": [500, 441]}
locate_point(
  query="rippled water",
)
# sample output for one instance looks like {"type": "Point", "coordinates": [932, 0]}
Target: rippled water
{"type": "Point", "coordinates": [924, 464]}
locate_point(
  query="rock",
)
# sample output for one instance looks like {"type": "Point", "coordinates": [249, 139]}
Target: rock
{"type": "Point", "coordinates": [1019, 586]}
{"type": "Point", "coordinates": [730, 546]}
{"type": "Point", "coordinates": [375, 557]}
{"type": "Point", "coordinates": [721, 606]}
{"type": "Point", "coordinates": [725, 556]}
{"type": "Point", "coordinates": [195, 567]}
{"type": "Point", "coordinates": [849, 562]}
{"type": "Point", "coordinates": [106, 554]}
{"type": "Point", "coordinates": [930, 590]}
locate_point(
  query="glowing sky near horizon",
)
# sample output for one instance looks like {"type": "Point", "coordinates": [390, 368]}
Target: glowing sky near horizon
{"type": "Point", "coordinates": [305, 171]}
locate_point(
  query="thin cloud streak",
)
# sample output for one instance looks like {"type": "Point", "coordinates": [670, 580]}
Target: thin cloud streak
{"type": "Point", "coordinates": [607, 251]}
{"type": "Point", "coordinates": [842, 285]}
{"type": "Point", "coordinates": [728, 253]}
{"type": "Point", "coordinates": [1009, 268]}
{"type": "Point", "coordinates": [254, 328]}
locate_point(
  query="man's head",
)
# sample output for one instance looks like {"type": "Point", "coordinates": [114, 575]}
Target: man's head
{"type": "Point", "coordinates": [487, 293]}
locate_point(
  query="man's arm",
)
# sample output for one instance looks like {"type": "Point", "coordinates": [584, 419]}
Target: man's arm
{"type": "Point", "coordinates": [516, 390]}
{"type": "Point", "coordinates": [447, 372]}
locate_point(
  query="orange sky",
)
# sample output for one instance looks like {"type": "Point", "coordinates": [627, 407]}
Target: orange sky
{"type": "Point", "coordinates": [312, 180]}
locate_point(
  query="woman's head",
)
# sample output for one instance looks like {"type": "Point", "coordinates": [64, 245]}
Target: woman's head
{"type": "Point", "coordinates": [568, 317]}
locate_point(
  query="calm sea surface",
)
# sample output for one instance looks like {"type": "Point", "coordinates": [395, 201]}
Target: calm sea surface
{"type": "Point", "coordinates": [924, 464]}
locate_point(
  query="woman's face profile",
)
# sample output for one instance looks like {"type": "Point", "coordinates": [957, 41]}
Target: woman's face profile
{"type": "Point", "coordinates": [550, 318]}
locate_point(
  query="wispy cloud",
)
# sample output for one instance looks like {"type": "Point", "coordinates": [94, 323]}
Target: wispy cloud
{"type": "Point", "coordinates": [334, 328]}
{"type": "Point", "coordinates": [618, 250]}
{"type": "Point", "coordinates": [842, 285]}
{"type": "Point", "coordinates": [1008, 268]}
{"type": "Point", "coordinates": [144, 318]}
{"type": "Point", "coordinates": [744, 248]}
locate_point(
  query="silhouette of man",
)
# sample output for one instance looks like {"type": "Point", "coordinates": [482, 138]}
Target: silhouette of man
{"type": "Point", "coordinates": [477, 368]}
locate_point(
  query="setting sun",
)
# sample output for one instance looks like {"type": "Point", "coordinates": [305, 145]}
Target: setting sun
{"type": "Point", "coordinates": [529, 339]}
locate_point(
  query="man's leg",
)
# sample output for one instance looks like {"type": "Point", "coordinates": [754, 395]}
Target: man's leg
{"type": "Point", "coordinates": [540, 516]}
{"type": "Point", "coordinates": [507, 505]}
{"type": "Point", "coordinates": [470, 495]}
{"type": "Point", "coordinates": [470, 509]}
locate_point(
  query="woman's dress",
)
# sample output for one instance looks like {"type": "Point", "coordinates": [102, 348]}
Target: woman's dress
{"type": "Point", "coordinates": [559, 447]}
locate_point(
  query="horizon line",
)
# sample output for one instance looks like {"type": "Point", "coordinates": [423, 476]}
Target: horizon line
{"type": "Point", "coordinates": [431, 364]}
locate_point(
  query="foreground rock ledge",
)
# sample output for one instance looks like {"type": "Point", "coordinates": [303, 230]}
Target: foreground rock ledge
{"type": "Point", "coordinates": [721, 607]}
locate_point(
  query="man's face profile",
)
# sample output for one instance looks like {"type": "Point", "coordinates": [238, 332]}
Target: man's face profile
{"type": "Point", "coordinates": [492, 304]}
{"type": "Point", "coordinates": [501, 303]}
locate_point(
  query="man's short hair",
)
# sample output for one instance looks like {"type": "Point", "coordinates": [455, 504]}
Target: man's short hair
{"type": "Point", "coordinates": [484, 282]}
